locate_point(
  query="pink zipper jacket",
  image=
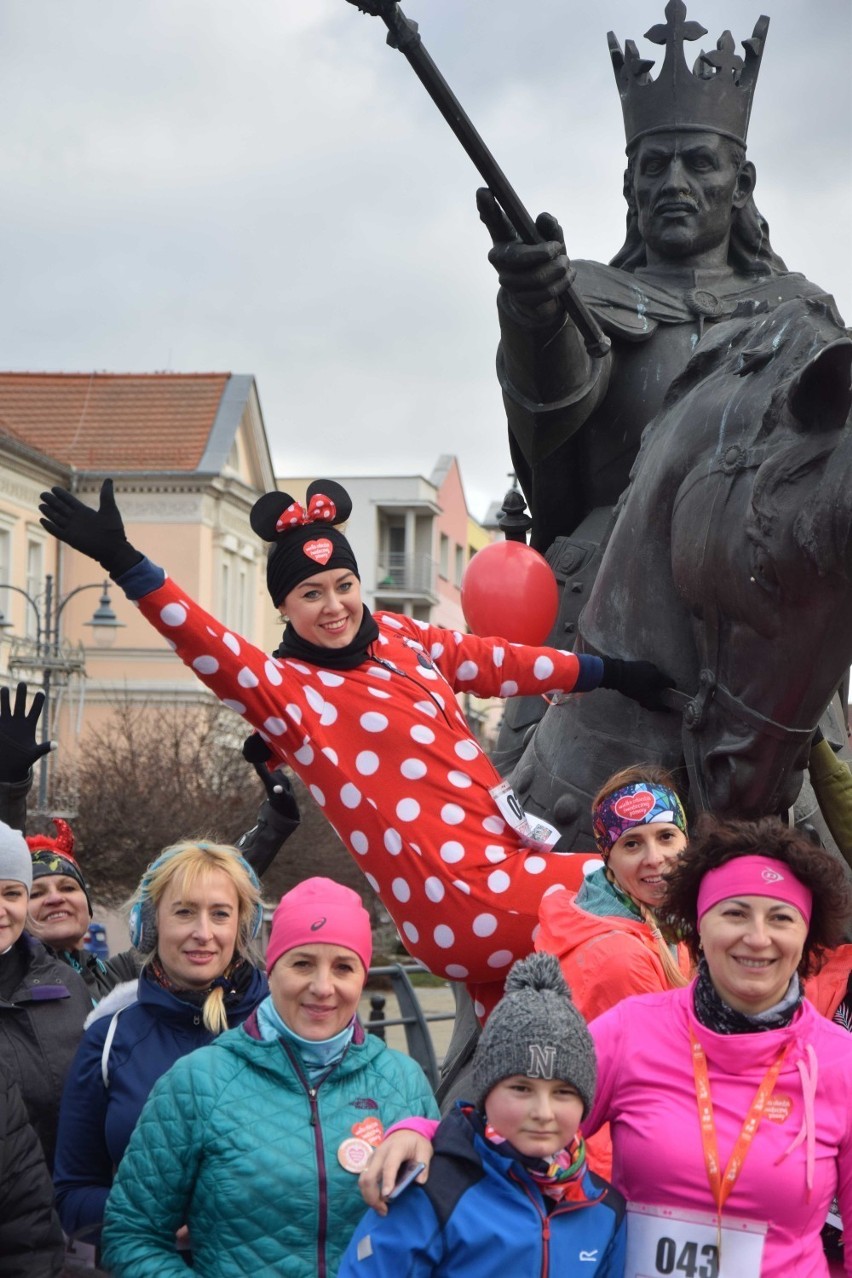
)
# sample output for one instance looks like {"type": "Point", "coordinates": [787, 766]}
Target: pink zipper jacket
{"type": "Point", "coordinates": [801, 1155]}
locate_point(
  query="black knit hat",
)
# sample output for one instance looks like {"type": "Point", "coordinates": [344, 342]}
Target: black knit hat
{"type": "Point", "coordinates": [535, 1030]}
{"type": "Point", "coordinates": [304, 537]}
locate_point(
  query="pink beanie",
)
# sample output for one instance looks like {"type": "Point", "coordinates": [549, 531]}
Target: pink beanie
{"type": "Point", "coordinates": [320, 910]}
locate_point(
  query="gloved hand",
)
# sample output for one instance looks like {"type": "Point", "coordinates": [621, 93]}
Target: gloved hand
{"type": "Point", "coordinates": [19, 749]}
{"type": "Point", "coordinates": [534, 276]}
{"type": "Point", "coordinates": [642, 681]}
{"type": "Point", "coordinates": [277, 784]}
{"type": "Point", "coordinates": [96, 533]}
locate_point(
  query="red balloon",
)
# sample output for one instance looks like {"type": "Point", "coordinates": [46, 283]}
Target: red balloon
{"type": "Point", "coordinates": [509, 590]}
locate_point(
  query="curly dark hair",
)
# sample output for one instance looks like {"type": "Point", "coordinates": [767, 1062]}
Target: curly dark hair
{"type": "Point", "coordinates": [714, 842]}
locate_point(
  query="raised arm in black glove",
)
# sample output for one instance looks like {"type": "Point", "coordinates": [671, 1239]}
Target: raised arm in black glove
{"type": "Point", "coordinates": [96, 533]}
{"type": "Point", "coordinates": [19, 750]}
{"type": "Point", "coordinates": [642, 681]}
{"type": "Point", "coordinates": [279, 815]}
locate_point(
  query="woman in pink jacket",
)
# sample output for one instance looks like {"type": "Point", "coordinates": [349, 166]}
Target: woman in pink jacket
{"type": "Point", "coordinates": [730, 1098]}
{"type": "Point", "coordinates": [363, 708]}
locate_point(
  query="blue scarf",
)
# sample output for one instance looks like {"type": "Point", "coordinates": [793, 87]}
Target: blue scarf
{"type": "Point", "coordinates": [317, 1056]}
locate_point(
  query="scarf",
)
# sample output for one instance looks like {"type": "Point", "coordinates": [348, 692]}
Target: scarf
{"type": "Point", "coordinates": [235, 981]}
{"type": "Point", "coordinates": [347, 658]}
{"type": "Point", "coordinates": [712, 1011]}
{"type": "Point", "coordinates": [558, 1177]}
{"type": "Point", "coordinates": [317, 1056]}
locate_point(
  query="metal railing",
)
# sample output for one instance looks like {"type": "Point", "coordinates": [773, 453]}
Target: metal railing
{"type": "Point", "coordinates": [418, 1038]}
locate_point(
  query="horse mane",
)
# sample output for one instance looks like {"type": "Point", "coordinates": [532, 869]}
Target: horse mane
{"type": "Point", "coordinates": [823, 526]}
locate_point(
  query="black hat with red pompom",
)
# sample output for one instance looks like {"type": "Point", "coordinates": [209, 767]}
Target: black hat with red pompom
{"type": "Point", "coordinates": [304, 538]}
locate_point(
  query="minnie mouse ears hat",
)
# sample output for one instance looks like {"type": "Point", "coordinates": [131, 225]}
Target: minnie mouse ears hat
{"type": "Point", "coordinates": [304, 539]}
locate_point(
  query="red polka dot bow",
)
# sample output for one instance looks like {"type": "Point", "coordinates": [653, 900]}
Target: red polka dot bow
{"type": "Point", "coordinates": [319, 509]}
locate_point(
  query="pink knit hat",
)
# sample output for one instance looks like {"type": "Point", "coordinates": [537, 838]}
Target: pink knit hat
{"type": "Point", "coordinates": [320, 910]}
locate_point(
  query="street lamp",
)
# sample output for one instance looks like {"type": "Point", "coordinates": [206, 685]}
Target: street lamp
{"type": "Point", "coordinates": [47, 655]}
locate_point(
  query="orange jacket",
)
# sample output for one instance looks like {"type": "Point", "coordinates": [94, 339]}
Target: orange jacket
{"type": "Point", "coordinates": [827, 988]}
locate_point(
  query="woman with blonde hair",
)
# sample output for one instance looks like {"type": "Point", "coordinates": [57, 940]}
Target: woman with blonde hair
{"type": "Point", "coordinates": [194, 917]}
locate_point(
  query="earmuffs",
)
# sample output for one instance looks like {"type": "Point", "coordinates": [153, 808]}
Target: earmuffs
{"type": "Point", "coordinates": [142, 920]}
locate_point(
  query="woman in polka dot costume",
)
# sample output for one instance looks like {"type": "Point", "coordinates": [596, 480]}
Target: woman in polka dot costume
{"type": "Point", "coordinates": [363, 708]}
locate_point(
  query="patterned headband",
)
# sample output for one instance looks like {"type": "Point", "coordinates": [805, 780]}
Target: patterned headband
{"type": "Point", "coordinates": [644, 803]}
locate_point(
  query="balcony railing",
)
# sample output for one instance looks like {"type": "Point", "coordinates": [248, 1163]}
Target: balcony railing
{"type": "Point", "coordinates": [413, 574]}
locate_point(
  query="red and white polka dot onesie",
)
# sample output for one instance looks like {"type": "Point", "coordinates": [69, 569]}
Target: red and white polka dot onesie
{"type": "Point", "coordinates": [388, 756]}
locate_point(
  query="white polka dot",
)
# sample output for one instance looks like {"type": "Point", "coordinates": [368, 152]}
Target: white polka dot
{"type": "Point", "coordinates": [379, 672]}
{"type": "Point", "coordinates": [499, 881]}
{"type": "Point", "coordinates": [210, 631]}
{"type": "Point", "coordinates": [304, 755]}
{"type": "Point", "coordinates": [427, 707]}
{"type": "Point", "coordinates": [534, 864]}
{"type": "Point", "coordinates": [273, 674]}
{"type": "Point", "coordinates": [543, 668]}
{"type": "Point", "coordinates": [484, 925]}
{"type": "Point", "coordinates": [330, 679]}
{"type": "Point", "coordinates": [497, 655]}
{"type": "Point", "coordinates": [422, 734]}
{"type": "Point", "coordinates": [411, 932]}
{"type": "Point", "coordinates": [442, 703]}
{"type": "Point", "coordinates": [455, 971]}
{"type": "Point", "coordinates": [401, 890]}
{"type": "Point", "coordinates": [367, 762]}
{"type": "Point", "coordinates": [315, 700]}
{"type": "Point", "coordinates": [461, 886]}
{"type": "Point", "coordinates": [495, 854]}
{"type": "Point", "coordinates": [275, 727]}
{"type": "Point", "coordinates": [295, 665]}
{"type": "Point", "coordinates": [391, 622]}
{"type": "Point", "coordinates": [451, 851]}
{"type": "Point", "coordinates": [373, 722]}
{"type": "Point", "coordinates": [508, 689]}
{"type": "Point", "coordinates": [436, 651]}
{"type": "Point", "coordinates": [393, 842]}
{"type": "Point", "coordinates": [247, 678]}
{"type": "Point", "coordinates": [318, 795]}
{"type": "Point", "coordinates": [494, 825]}
{"type": "Point", "coordinates": [452, 814]}
{"type": "Point", "coordinates": [444, 936]}
{"type": "Point", "coordinates": [293, 712]}
{"type": "Point", "coordinates": [408, 809]}
{"type": "Point", "coordinates": [330, 754]}
{"type": "Point", "coordinates": [173, 614]}
{"type": "Point", "coordinates": [467, 670]}
{"type": "Point", "coordinates": [434, 889]}
{"type": "Point", "coordinates": [231, 641]}
{"type": "Point", "coordinates": [589, 867]}
{"type": "Point", "coordinates": [379, 693]}
{"type": "Point", "coordinates": [426, 673]}
{"type": "Point", "coordinates": [479, 1009]}
{"type": "Point", "coordinates": [500, 958]}
{"type": "Point", "coordinates": [360, 842]}
{"type": "Point", "coordinates": [230, 704]}
{"type": "Point", "coordinates": [328, 716]}
{"type": "Point", "coordinates": [459, 779]}
{"type": "Point", "coordinates": [413, 769]}
{"type": "Point", "coordinates": [350, 795]}
{"type": "Point", "coordinates": [466, 749]}
{"type": "Point", "coordinates": [373, 882]}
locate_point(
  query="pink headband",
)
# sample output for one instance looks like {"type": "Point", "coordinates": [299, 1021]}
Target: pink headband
{"type": "Point", "coordinates": [754, 876]}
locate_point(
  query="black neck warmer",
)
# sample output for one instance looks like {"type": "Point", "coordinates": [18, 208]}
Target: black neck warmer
{"type": "Point", "coordinates": [356, 652]}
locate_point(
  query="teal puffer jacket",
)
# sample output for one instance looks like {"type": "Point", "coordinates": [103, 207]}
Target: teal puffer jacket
{"type": "Point", "coordinates": [235, 1143]}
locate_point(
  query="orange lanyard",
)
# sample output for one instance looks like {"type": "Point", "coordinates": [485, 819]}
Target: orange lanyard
{"type": "Point", "coordinates": [721, 1186]}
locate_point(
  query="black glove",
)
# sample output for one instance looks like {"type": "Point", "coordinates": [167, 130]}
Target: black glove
{"type": "Point", "coordinates": [96, 533]}
{"type": "Point", "coordinates": [277, 784]}
{"type": "Point", "coordinates": [19, 749]}
{"type": "Point", "coordinates": [642, 681]}
{"type": "Point", "coordinates": [535, 276]}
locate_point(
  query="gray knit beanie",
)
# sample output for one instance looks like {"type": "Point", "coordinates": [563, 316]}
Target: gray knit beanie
{"type": "Point", "coordinates": [16, 862]}
{"type": "Point", "coordinates": [535, 1030]}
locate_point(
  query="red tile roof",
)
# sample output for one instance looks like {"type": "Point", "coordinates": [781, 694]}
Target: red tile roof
{"type": "Point", "coordinates": [113, 421]}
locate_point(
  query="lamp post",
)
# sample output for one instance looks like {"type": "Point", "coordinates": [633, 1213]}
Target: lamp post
{"type": "Point", "coordinates": [46, 654]}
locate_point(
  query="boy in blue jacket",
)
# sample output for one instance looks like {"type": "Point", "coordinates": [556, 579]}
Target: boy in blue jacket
{"type": "Point", "coordinates": [509, 1192]}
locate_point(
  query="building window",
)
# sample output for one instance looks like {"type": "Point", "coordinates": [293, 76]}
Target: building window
{"type": "Point", "coordinates": [35, 583]}
{"type": "Point", "coordinates": [444, 557]}
{"type": "Point", "coordinates": [459, 564]}
{"type": "Point", "coordinates": [5, 570]}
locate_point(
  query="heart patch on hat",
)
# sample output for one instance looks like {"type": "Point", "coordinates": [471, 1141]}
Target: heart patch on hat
{"type": "Point", "coordinates": [633, 807]}
{"type": "Point", "coordinates": [320, 550]}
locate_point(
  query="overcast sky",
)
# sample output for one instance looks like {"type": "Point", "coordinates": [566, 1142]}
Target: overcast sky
{"type": "Point", "coordinates": [263, 186]}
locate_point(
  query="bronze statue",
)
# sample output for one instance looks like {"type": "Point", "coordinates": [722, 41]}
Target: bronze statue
{"type": "Point", "coordinates": [697, 252]}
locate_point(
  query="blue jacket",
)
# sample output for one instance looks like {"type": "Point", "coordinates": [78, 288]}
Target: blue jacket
{"type": "Point", "coordinates": [481, 1215]}
{"type": "Point", "coordinates": [235, 1143]}
{"type": "Point", "coordinates": [154, 1028]}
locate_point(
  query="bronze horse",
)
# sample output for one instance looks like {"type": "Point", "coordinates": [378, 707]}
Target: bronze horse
{"type": "Point", "coordinates": [728, 563]}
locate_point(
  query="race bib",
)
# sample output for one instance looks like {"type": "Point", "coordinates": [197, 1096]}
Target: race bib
{"type": "Point", "coordinates": [663, 1241]}
{"type": "Point", "coordinates": [534, 832]}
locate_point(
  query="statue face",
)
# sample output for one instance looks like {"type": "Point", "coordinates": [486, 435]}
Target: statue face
{"type": "Point", "coordinates": [686, 186]}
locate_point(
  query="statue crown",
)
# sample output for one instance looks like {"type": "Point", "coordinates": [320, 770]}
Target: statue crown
{"type": "Point", "coordinates": [715, 96]}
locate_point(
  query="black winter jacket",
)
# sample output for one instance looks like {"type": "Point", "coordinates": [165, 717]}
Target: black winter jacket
{"type": "Point", "coordinates": [31, 1244]}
